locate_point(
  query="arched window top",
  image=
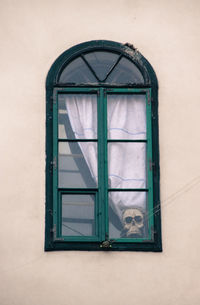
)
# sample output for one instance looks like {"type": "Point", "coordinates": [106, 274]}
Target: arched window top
{"type": "Point", "coordinates": [102, 62]}
{"type": "Point", "coordinates": [101, 67]}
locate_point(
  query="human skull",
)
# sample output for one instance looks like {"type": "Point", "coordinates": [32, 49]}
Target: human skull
{"type": "Point", "coordinates": [133, 223]}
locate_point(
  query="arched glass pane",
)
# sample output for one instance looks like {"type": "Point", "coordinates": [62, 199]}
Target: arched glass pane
{"type": "Point", "coordinates": [77, 72]}
{"type": "Point", "coordinates": [125, 72]}
{"type": "Point", "coordinates": [101, 62]}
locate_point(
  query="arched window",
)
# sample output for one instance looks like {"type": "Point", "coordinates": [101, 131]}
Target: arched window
{"type": "Point", "coordinates": [102, 165]}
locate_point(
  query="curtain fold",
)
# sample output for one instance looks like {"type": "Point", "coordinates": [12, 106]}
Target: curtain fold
{"type": "Point", "coordinates": [126, 160]}
{"type": "Point", "coordinates": [82, 113]}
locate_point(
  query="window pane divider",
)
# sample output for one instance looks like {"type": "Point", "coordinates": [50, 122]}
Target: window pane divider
{"type": "Point", "coordinates": [75, 190]}
{"type": "Point", "coordinates": [113, 67]}
{"type": "Point", "coordinates": [70, 86]}
{"type": "Point", "coordinates": [90, 67]}
{"type": "Point", "coordinates": [77, 140]}
{"type": "Point", "coordinates": [127, 190]}
{"type": "Point", "coordinates": [128, 90]}
{"type": "Point", "coordinates": [84, 89]}
{"type": "Point", "coordinates": [124, 140]}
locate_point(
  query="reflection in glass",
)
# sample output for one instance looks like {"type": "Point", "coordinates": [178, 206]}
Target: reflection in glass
{"type": "Point", "coordinates": [126, 116]}
{"type": "Point", "coordinates": [74, 170]}
{"type": "Point", "coordinates": [127, 165]}
{"type": "Point", "coordinates": [78, 217]}
{"type": "Point", "coordinates": [127, 215]}
{"type": "Point", "coordinates": [101, 62]}
{"type": "Point", "coordinates": [77, 116]}
{"type": "Point", "coordinates": [77, 72]}
{"type": "Point", "coordinates": [125, 72]}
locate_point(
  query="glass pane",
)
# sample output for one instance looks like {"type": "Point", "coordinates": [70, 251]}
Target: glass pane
{"type": "Point", "coordinates": [126, 116]}
{"type": "Point", "coordinates": [77, 165]}
{"type": "Point", "coordinates": [77, 116]}
{"type": "Point", "coordinates": [128, 215]}
{"type": "Point", "coordinates": [101, 62]}
{"type": "Point", "coordinates": [77, 72]}
{"type": "Point", "coordinates": [78, 218]}
{"type": "Point", "coordinates": [127, 165]}
{"type": "Point", "coordinates": [124, 73]}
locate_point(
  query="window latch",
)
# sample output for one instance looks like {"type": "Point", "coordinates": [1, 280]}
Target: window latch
{"type": "Point", "coordinates": [106, 244]}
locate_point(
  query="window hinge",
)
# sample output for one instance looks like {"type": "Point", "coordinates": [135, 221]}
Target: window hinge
{"type": "Point", "coordinates": [148, 98]}
{"type": "Point", "coordinates": [53, 230]}
{"type": "Point", "coordinates": [54, 163]}
{"type": "Point", "coordinates": [54, 97]}
{"type": "Point", "coordinates": [50, 212]}
{"type": "Point", "coordinates": [55, 238]}
{"type": "Point", "coordinates": [153, 232]}
{"type": "Point", "coordinates": [151, 164]}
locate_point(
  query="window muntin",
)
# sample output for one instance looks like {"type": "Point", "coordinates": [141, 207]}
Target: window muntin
{"type": "Point", "coordinates": [73, 74]}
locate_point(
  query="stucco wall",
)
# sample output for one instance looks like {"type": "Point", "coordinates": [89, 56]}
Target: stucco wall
{"type": "Point", "coordinates": [32, 35]}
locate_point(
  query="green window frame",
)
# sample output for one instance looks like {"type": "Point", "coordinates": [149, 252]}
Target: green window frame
{"type": "Point", "coordinates": [101, 89]}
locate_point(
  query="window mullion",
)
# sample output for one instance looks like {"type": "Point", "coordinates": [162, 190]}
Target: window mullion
{"type": "Point", "coordinates": [105, 163]}
{"type": "Point", "coordinates": [101, 165]}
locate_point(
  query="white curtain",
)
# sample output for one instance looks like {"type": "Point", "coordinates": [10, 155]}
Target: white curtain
{"type": "Point", "coordinates": [126, 160]}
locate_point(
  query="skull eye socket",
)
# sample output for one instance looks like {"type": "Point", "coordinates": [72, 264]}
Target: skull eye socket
{"type": "Point", "coordinates": [128, 219]}
{"type": "Point", "coordinates": [138, 219]}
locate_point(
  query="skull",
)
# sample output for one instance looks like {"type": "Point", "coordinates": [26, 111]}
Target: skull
{"type": "Point", "coordinates": [133, 223]}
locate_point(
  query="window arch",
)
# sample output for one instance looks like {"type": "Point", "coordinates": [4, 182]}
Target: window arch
{"type": "Point", "coordinates": [102, 165]}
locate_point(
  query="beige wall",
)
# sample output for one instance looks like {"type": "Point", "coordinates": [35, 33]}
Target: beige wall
{"type": "Point", "coordinates": [33, 34]}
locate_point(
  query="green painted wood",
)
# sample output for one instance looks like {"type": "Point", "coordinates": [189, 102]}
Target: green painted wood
{"type": "Point", "coordinates": [55, 167]}
{"type": "Point", "coordinates": [105, 164]}
{"type": "Point", "coordinates": [120, 140]}
{"type": "Point", "coordinates": [101, 164]}
{"type": "Point", "coordinates": [53, 238]}
{"type": "Point", "coordinates": [149, 165]}
{"type": "Point", "coordinates": [127, 190]}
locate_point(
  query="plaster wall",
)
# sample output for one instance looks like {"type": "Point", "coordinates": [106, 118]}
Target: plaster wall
{"type": "Point", "coordinates": [32, 35]}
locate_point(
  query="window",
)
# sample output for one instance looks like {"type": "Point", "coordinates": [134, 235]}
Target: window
{"type": "Point", "coordinates": [102, 158]}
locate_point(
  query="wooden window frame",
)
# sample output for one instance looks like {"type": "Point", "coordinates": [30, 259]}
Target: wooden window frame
{"type": "Point", "coordinates": [53, 238]}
